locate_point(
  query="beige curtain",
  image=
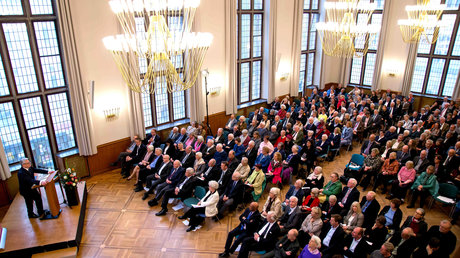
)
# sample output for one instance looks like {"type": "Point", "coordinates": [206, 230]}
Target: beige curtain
{"type": "Point", "coordinates": [296, 47]}
{"type": "Point", "coordinates": [197, 107]}
{"type": "Point", "coordinates": [136, 114]}
{"type": "Point", "coordinates": [272, 56]}
{"type": "Point", "coordinates": [81, 112]}
{"type": "Point", "coordinates": [383, 34]}
{"type": "Point", "coordinates": [345, 66]}
{"type": "Point", "coordinates": [409, 70]}
{"type": "Point", "coordinates": [4, 167]}
{"type": "Point", "coordinates": [231, 92]}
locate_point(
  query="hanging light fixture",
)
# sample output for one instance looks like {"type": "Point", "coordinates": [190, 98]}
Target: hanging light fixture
{"type": "Point", "coordinates": [345, 34]}
{"type": "Point", "coordinates": [159, 56]}
{"type": "Point", "coordinates": [423, 22]}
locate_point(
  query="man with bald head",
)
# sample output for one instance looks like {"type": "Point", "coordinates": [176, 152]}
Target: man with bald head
{"type": "Point", "coordinates": [355, 245]}
{"type": "Point", "coordinates": [421, 162]}
{"type": "Point", "coordinates": [444, 234]}
{"type": "Point", "coordinates": [232, 195]}
{"type": "Point", "coordinates": [404, 243]}
{"type": "Point", "coordinates": [158, 177]}
{"type": "Point", "coordinates": [249, 222]}
{"type": "Point", "coordinates": [370, 208]}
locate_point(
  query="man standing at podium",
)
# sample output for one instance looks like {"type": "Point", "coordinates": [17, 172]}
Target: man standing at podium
{"type": "Point", "coordinates": [26, 181]}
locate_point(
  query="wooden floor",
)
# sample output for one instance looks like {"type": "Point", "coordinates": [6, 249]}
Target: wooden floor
{"type": "Point", "coordinates": [119, 224]}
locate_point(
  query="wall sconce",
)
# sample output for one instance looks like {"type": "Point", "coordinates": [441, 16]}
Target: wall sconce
{"type": "Point", "coordinates": [111, 113]}
{"type": "Point", "coordinates": [214, 89]}
{"type": "Point", "coordinates": [392, 72]}
{"type": "Point", "coordinates": [284, 76]}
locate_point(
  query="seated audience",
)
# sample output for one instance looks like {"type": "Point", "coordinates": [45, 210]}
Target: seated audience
{"type": "Point", "coordinates": [355, 245]}
{"type": "Point", "coordinates": [353, 219]}
{"type": "Point", "coordinates": [243, 168]}
{"type": "Point", "coordinates": [333, 187]}
{"type": "Point", "coordinates": [404, 243]}
{"type": "Point", "coordinates": [370, 207]}
{"type": "Point", "coordinates": [231, 196]}
{"type": "Point", "coordinates": [448, 240]}
{"type": "Point", "coordinates": [330, 207]}
{"type": "Point", "coordinates": [287, 246]}
{"type": "Point", "coordinates": [311, 226]}
{"type": "Point", "coordinates": [255, 180]}
{"type": "Point", "coordinates": [406, 177]}
{"type": "Point", "coordinates": [416, 222]}
{"type": "Point", "coordinates": [332, 237]}
{"type": "Point", "coordinates": [274, 169]}
{"type": "Point", "coordinates": [199, 164]}
{"type": "Point", "coordinates": [311, 201]}
{"type": "Point", "coordinates": [273, 203]}
{"type": "Point", "coordinates": [315, 179]}
{"type": "Point", "coordinates": [263, 159]}
{"type": "Point", "coordinates": [348, 195]}
{"type": "Point", "coordinates": [384, 252]}
{"type": "Point", "coordinates": [371, 166]}
{"type": "Point", "coordinates": [388, 172]}
{"type": "Point", "coordinates": [291, 216]}
{"type": "Point", "coordinates": [393, 214]}
{"type": "Point", "coordinates": [294, 190]}
{"type": "Point", "coordinates": [425, 185]}
{"type": "Point", "coordinates": [377, 234]}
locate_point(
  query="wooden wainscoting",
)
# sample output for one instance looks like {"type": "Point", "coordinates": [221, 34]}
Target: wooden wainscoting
{"type": "Point", "coordinates": [106, 154]}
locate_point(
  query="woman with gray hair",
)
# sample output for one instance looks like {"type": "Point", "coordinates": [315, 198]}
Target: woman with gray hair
{"type": "Point", "coordinates": [243, 168]}
{"type": "Point", "coordinates": [245, 139]}
{"type": "Point", "coordinates": [207, 206]}
{"type": "Point", "coordinates": [312, 249]}
{"type": "Point", "coordinates": [273, 203]}
{"type": "Point", "coordinates": [200, 164]}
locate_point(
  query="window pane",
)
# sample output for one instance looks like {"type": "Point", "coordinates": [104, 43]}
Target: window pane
{"type": "Point", "coordinates": [179, 104]}
{"type": "Point", "coordinates": [62, 123]}
{"type": "Point", "coordinates": [141, 34]}
{"type": "Point", "coordinates": [434, 78]}
{"type": "Point", "coordinates": [256, 71]}
{"type": "Point", "coordinates": [380, 4]}
{"type": "Point", "coordinates": [376, 20]}
{"type": "Point", "coordinates": [161, 101]}
{"type": "Point", "coordinates": [147, 108]}
{"type": "Point", "coordinates": [423, 47]}
{"type": "Point", "coordinates": [445, 34]}
{"type": "Point", "coordinates": [369, 69]}
{"type": "Point", "coordinates": [3, 83]}
{"type": "Point", "coordinates": [175, 23]}
{"type": "Point", "coordinates": [314, 4]}
{"type": "Point", "coordinates": [418, 77]}
{"type": "Point", "coordinates": [314, 20]}
{"type": "Point", "coordinates": [305, 22]}
{"type": "Point", "coordinates": [246, 4]}
{"type": "Point", "coordinates": [244, 82]}
{"type": "Point", "coordinates": [451, 78]}
{"type": "Point", "coordinates": [456, 50]}
{"type": "Point", "coordinates": [311, 59]}
{"type": "Point", "coordinates": [306, 4]}
{"type": "Point", "coordinates": [303, 60]}
{"type": "Point", "coordinates": [452, 4]}
{"type": "Point", "coordinates": [361, 40]}
{"type": "Point", "coordinates": [258, 4]}
{"type": "Point", "coordinates": [245, 45]}
{"type": "Point", "coordinates": [41, 7]}
{"type": "Point", "coordinates": [11, 7]}
{"type": "Point", "coordinates": [40, 145]}
{"type": "Point", "coordinates": [356, 70]}
{"type": "Point", "coordinates": [9, 133]}
{"type": "Point", "coordinates": [257, 36]}
{"type": "Point", "coordinates": [49, 54]}
{"type": "Point", "coordinates": [32, 111]}
{"type": "Point", "coordinates": [17, 41]}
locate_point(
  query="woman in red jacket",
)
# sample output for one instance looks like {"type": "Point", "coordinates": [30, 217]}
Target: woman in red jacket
{"type": "Point", "coordinates": [311, 201]}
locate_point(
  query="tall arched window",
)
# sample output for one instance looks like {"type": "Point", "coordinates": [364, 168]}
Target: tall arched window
{"type": "Point", "coordinates": [308, 45]}
{"type": "Point", "coordinates": [362, 68]}
{"type": "Point", "coordinates": [35, 115]}
{"type": "Point", "coordinates": [250, 49]}
{"type": "Point", "coordinates": [437, 66]}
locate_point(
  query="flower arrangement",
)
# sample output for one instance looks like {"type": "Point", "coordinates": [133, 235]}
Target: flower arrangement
{"type": "Point", "coordinates": [69, 178]}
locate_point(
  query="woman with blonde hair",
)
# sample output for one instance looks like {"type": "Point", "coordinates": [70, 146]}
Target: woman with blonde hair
{"type": "Point", "coordinates": [354, 218]}
{"type": "Point", "coordinates": [311, 201]}
{"type": "Point", "coordinates": [311, 226]}
{"type": "Point", "coordinates": [273, 203]}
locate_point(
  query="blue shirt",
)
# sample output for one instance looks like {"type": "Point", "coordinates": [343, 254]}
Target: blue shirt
{"type": "Point", "coordinates": [389, 216]}
{"type": "Point", "coordinates": [327, 239]}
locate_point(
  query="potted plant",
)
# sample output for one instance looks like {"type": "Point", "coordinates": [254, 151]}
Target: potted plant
{"type": "Point", "coordinates": [70, 180]}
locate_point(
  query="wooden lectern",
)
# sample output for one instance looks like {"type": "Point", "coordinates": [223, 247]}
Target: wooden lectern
{"type": "Point", "coordinates": [51, 196]}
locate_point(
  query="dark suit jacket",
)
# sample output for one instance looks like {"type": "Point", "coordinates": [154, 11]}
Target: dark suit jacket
{"type": "Point", "coordinates": [361, 248]}
{"type": "Point", "coordinates": [233, 164]}
{"type": "Point", "coordinates": [300, 194]}
{"type": "Point", "coordinates": [166, 171]}
{"type": "Point", "coordinates": [422, 226]}
{"type": "Point", "coordinates": [229, 145]}
{"type": "Point", "coordinates": [334, 210]}
{"type": "Point", "coordinates": [187, 188]}
{"type": "Point", "coordinates": [181, 138]}
{"type": "Point", "coordinates": [269, 241]}
{"type": "Point", "coordinates": [403, 157]}
{"type": "Point", "coordinates": [214, 174]}
{"type": "Point", "coordinates": [396, 219]}
{"type": "Point", "coordinates": [422, 167]}
{"type": "Point", "coordinates": [209, 153]}
{"type": "Point", "coordinates": [156, 140]}
{"type": "Point", "coordinates": [234, 193]}
{"type": "Point", "coordinates": [176, 177]}
{"type": "Point", "coordinates": [352, 197]}
{"type": "Point", "coordinates": [251, 223]}
{"type": "Point", "coordinates": [251, 156]}
{"type": "Point", "coordinates": [285, 245]}
{"type": "Point", "coordinates": [406, 248]}
{"type": "Point", "coordinates": [336, 243]}
{"type": "Point", "coordinates": [366, 143]}
{"type": "Point", "coordinates": [291, 221]}
{"type": "Point", "coordinates": [27, 180]}
{"type": "Point", "coordinates": [189, 161]}
{"type": "Point", "coordinates": [371, 212]}
{"type": "Point", "coordinates": [311, 127]}
{"type": "Point", "coordinates": [138, 153]}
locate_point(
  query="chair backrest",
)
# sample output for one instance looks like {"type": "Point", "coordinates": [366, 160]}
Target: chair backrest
{"type": "Point", "coordinates": [200, 192]}
{"type": "Point", "coordinates": [357, 159]}
{"type": "Point", "coordinates": [266, 110]}
{"type": "Point", "coordinates": [448, 190]}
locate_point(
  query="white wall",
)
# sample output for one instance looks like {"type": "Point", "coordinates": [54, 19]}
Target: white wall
{"type": "Point", "coordinates": [94, 20]}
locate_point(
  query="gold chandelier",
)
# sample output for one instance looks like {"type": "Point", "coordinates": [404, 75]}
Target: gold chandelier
{"type": "Point", "coordinates": [159, 56]}
{"type": "Point", "coordinates": [343, 34]}
{"type": "Point", "coordinates": [423, 22]}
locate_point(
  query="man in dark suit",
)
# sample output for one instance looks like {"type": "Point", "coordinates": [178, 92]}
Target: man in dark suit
{"type": "Point", "coordinates": [171, 182]}
{"type": "Point", "coordinates": [330, 207]}
{"type": "Point", "coordinates": [403, 155]}
{"type": "Point", "coordinates": [295, 190]}
{"type": "Point", "coordinates": [249, 223]}
{"type": "Point", "coordinates": [355, 245]}
{"type": "Point", "coordinates": [211, 173]}
{"type": "Point", "coordinates": [348, 195]}
{"type": "Point", "coordinates": [287, 246]}
{"type": "Point", "coordinates": [188, 158]}
{"type": "Point", "coordinates": [26, 181]}
{"type": "Point", "coordinates": [370, 207]}
{"type": "Point", "coordinates": [224, 177]}
{"type": "Point", "coordinates": [134, 157]}
{"type": "Point", "coordinates": [264, 238]}
{"type": "Point", "coordinates": [376, 121]}
{"type": "Point", "coordinates": [421, 162]}
{"type": "Point", "coordinates": [233, 162]}
{"type": "Point", "coordinates": [288, 120]}
{"type": "Point", "coordinates": [291, 216]}
{"type": "Point", "coordinates": [232, 195]}
{"type": "Point", "coordinates": [251, 153]}
{"type": "Point", "coordinates": [332, 237]}
{"type": "Point", "coordinates": [447, 238]}
{"type": "Point", "coordinates": [368, 145]}
{"type": "Point", "coordinates": [209, 150]}
{"type": "Point", "coordinates": [174, 134]}
{"type": "Point", "coordinates": [183, 190]}
{"type": "Point", "coordinates": [310, 126]}
{"type": "Point", "coordinates": [152, 138]}
{"type": "Point", "coordinates": [182, 136]}
{"type": "Point", "coordinates": [150, 169]}
{"type": "Point", "coordinates": [229, 143]}
{"type": "Point", "coordinates": [450, 164]}
{"type": "Point", "coordinates": [404, 243]}
{"type": "Point", "coordinates": [158, 177]}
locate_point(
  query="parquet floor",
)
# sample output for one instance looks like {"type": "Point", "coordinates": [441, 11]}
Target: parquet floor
{"type": "Point", "coordinates": [119, 224]}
